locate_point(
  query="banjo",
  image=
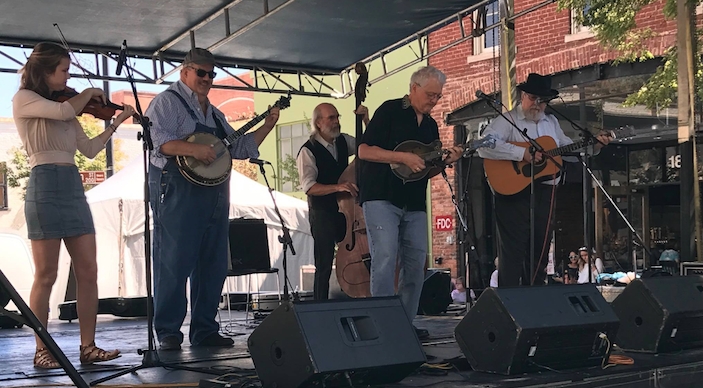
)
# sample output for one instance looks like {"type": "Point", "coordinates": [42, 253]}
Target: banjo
{"type": "Point", "coordinates": [220, 169]}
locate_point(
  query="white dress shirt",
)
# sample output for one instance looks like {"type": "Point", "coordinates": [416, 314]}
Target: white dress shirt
{"type": "Point", "coordinates": [307, 166]}
{"type": "Point", "coordinates": [504, 132]}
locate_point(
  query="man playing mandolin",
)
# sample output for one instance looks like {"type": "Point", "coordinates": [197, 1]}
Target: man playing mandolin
{"type": "Point", "coordinates": [191, 222]}
{"type": "Point", "coordinates": [513, 211]}
{"type": "Point", "coordinates": [321, 161]}
{"type": "Point", "coordinates": [396, 219]}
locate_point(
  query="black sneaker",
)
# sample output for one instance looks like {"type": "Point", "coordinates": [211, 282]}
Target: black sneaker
{"type": "Point", "coordinates": [215, 339]}
{"type": "Point", "coordinates": [170, 343]}
{"type": "Point", "coordinates": [421, 333]}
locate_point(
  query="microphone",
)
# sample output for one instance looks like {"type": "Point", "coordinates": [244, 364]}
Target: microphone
{"type": "Point", "coordinates": [122, 57]}
{"type": "Point", "coordinates": [483, 96]}
{"type": "Point", "coordinates": [259, 162]}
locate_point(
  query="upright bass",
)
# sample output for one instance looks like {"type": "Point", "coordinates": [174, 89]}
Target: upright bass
{"type": "Point", "coordinates": [353, 261]}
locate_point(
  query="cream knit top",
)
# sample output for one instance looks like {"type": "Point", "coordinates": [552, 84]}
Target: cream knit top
{"type": "Point", "coordinates": [50, 131]}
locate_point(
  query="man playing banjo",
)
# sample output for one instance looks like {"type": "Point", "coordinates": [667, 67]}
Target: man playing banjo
{"type": "Point", "coordinates": [191, 222]}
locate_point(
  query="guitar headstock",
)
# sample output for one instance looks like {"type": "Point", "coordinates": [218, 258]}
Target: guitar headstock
{"type": "Point", "coordinates": [283, 102]}
{"type": "Point", "coordinates": [486, 142]}
{"type": "Point", "coordinates": [622, 132]}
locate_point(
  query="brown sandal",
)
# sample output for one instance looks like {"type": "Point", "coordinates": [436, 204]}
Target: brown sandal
{"type": "Point", "coordinates": [44, 360]}
{"type": "Point", "coordinates": [92, 353]}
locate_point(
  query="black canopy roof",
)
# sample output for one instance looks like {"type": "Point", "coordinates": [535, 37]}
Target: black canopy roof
{"type": "Point", "coordinates": [320, 36]}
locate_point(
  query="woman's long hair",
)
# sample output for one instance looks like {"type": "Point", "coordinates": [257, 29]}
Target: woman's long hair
{"type": "Point", "coordinates": [43, 61]}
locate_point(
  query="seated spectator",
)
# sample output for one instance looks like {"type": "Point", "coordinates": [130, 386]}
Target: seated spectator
{"type": "Point", "coordinates": [595, 269]}
{"type": "Point", "coordinates": [670, 253]}
{"type": "Point", "coordinates": [568, 274]}
{"type": "Point", "coordinates": [459, 292]}
{"type": "Point", "coordinates": [494, 275]}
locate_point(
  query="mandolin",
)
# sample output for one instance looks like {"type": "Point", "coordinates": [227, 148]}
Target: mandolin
{"type": "Point", "coordinates": [433, 155]}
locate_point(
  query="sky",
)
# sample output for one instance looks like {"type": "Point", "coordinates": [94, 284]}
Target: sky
{"type": "Point", "coordinates": [9, 82]}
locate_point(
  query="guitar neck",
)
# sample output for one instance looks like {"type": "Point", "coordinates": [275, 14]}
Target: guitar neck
{"type": "Point", "coordinates": [241, 131]}
{"type": "Point", "coordinates": [571, 147]}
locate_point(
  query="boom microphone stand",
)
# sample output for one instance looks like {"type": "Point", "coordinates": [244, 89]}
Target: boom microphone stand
{"type": "Point", "coordinates": [285, 238]}
{"type": "Point", "coordinates": [587, 170]}
{"type": "Point", "coordinates": [150, 358]}
{"type": "Point", "coordinates": [533, 149]}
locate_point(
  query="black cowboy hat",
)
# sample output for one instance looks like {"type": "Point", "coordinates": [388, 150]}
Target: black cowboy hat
{"type": "Point", "coordinates": [539, 85]}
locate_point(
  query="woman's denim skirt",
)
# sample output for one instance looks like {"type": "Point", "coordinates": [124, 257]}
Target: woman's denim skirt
{"type": "Point", "coordinates": [55, 204]}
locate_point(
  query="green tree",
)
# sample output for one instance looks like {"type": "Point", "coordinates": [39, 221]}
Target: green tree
{"type": "Point", "coordinates": [613, 24]}
{"type": "Point", "coordinates": [289, 172]}
{"type": "Point", "coordinates": [18, 169]}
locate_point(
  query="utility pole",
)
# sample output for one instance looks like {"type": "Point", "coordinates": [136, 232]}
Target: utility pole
{"type": "Point", "coordinates": [691, 243]}
{"type": "Point", "coordinates": [508, 77]}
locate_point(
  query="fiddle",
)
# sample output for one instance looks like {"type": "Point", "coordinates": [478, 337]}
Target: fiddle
{"type": "Point", "coordinates": [94, 107]}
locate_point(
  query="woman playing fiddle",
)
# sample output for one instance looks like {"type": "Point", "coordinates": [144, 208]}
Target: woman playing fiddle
{"type": "Point", "coordinates": [55, 203]}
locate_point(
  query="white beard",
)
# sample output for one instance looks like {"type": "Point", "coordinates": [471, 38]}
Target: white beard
{"type": "Point", "coordinates": [533, 115]}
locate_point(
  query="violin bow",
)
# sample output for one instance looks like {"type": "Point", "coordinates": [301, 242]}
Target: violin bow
{"type": "Point", "coordinates": [74, 59]}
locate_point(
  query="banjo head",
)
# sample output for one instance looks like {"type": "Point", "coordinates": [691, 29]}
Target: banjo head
{"type": "Point", "coordinates": [208, 174]}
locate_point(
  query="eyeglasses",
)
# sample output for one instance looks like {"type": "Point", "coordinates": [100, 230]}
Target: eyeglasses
{"type": "Point", "coordinates": [433, 96]}
{"type": "Point", "coordinates": [202, 73]}
{"type": "Point", "coordinates": [430, 95]}
{"type": "Point", "coordinates": [532, 97]}
{"type": "Point", "coordinates": [573, 257]}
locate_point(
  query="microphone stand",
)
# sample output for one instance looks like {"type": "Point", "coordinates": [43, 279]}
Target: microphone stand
{"type": "Point", "coordinates": [587, 170]}
{"type": "Point", "coordinates": [533, 149]}
{"type": "Point", "coordinates": [284, 239]}
{"type": "Point", "coordinates": [464, 229]}
{"type": "Point", "coordinates": [150, 357]}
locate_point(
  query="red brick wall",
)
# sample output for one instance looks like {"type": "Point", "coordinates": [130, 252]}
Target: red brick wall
{"type": "Point", "coordinates": [235, 104]}
{"type": "Point", "coordinates": [541, 48]}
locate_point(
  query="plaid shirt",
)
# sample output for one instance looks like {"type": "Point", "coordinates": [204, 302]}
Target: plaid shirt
{"type": "Point", "coordinates": [171, 121]}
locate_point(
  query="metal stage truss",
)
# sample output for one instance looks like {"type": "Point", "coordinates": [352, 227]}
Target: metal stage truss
{"type": "Point", "coordinates": [225, 34]}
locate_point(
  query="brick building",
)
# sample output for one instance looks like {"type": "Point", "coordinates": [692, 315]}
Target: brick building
{"type": "Point", "coordinates": [547, 42]}
{"type": "Point", "coordinates": [235, 104]}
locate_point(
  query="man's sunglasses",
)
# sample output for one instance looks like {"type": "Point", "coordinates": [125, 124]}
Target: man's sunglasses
{"type": "Point", "coordinates": [201, 73]}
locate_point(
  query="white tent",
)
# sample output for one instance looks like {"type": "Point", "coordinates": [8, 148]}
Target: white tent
{"type": "Point", "coordinates": [118, 213]}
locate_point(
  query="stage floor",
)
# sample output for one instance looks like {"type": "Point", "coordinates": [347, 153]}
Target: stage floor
{"type": "Point", "coordinates": [681, 369]}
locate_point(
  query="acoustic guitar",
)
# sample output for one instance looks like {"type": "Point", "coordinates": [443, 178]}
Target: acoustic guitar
{"type": "Point", "coordinates": [433, 155]}
{"type": "Point", "coordinates": [220, 169]}
{"type": "Point", "coordinates": [508, 177]}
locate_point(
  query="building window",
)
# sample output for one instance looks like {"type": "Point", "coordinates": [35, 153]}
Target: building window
{"type": "Point", "coordinates": [490, 40]}
{"type": "Point", "coordinates": [576, 27]}
{"type": "Point", "coordinates": [290, 138]}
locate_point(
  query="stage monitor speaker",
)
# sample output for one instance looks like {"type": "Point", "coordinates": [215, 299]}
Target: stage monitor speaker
{"type": "Point", "coordinates": [661, 314]}
{"type": "Point", "coordinates": [335, 343]}
{"type": "Point", "coordinates": [523, 329]}
{"type": "Point", "coordinates": [248, 244]}
{"type": "Point", "coordinates": [436, 292]}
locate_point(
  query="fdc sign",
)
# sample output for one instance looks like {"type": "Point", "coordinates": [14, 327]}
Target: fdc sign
{"type": "Point", "coordinates": [443, 223]}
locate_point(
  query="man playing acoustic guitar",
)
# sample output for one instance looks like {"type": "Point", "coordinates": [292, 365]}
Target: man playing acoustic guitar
{"type": "Point", "coordinates": [512, 212]}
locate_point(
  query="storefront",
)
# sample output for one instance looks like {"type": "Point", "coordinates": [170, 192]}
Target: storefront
{"type": "Point", "coordinates": [641, 172]}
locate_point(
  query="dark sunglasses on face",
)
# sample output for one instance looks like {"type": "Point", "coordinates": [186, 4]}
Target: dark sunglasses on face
{"type": "Point", "coordinates": [573, 257]}
{"type": "Point", "coordinates": [201, 73]}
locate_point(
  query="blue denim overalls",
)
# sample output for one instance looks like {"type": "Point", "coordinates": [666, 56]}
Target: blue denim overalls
{"type": "Point", "coordinates": [191, 231]}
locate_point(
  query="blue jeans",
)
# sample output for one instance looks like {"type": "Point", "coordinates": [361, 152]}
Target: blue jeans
{"type": "Point", "coordinates": [396, 235]}
{"type": "Point", "coordinates": [191, 231]}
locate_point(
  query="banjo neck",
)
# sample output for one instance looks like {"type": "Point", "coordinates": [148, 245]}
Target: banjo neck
{"type": "Point", "coordinates": [229, 140]}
